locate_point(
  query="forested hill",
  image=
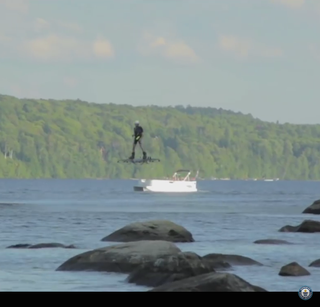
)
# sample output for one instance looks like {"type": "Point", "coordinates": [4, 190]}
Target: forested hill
{"type": "Point", "coordinates": [76, 139]}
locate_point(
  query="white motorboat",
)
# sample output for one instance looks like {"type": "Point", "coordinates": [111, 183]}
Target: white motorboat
{"type": "Point", "coordinates": [176, 184]}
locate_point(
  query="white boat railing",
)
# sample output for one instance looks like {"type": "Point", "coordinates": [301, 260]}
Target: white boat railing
{"type": "Point", "coordinates": [175, 176]}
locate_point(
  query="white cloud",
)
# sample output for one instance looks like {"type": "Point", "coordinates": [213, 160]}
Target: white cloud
{"type": "Point", "coordinates": [55, 47]}
{"type": "Point", "coordinates": [168, 48]}
{"type": "Point", "coordinates": [50, 42]}
{"type": "Point", "coordinates": [179, 49]}
{"type": "Point", "coordinates": [41, 25]}
{"type": "Point", "coordinates": [238, 46]}
{"type": "Point", "coordinates": [52, 47]}
{"type": "Point", "coordinates": [293, 4]}
{"type": "Point", "coordinates": [15, 5]}
{"type": "Point", "coordinates": [243, 48]}
{"type": "Point", "coordinates": [103, 48]}
{"type": "Point", "coordinates": [160, 41]}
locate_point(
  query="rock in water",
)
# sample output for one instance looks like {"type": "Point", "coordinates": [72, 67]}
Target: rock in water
{"type": "Point", "coordinates": [307, 226]}
{"type": "Point", "coordinates": [168, 269]}
{"type": "Point", "coordinates": [41, 245]}
{"type": "Point", "coordinates": [315, 263]}
{"type": "Point", "coordinates": [151, 230]}
{"type": "Point", "coordinates": [271, 241]}
{"type": "Point", "coordinates": [314, 208]}
{"type": "Point", "coordinates": [211, 282]}
{"type": "Point", "coordinates": [22, 245]}
{"type": "Point", "coordinates": [293, 269]}
{"type": "Point", "coordinates": [121, 258]}
{"type": "Point", "coordinates": [51, 245]}
{"type": "Point", "coordinates": [231, 259]}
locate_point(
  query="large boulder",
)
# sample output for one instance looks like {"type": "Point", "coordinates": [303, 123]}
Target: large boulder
{"type": "Point", "coordinates": [169, 268]}
{"type": "Point", "coordinates": [272, 241]}
{"type": "Point", "coordinates": [121, 258]}
{"type": "Point", "coordinates": [211, 282]}
{"type": "Point", "coordinates": [315, 263]}
{"type": "Point", "coordinates": [307, 226]}
{"type": "Point", "coordinates": [41, 245]}
{"type": "Point", "coordinates": [293, 269]}
{"type": "Point", "coordinates": [235, 260]}
{"type": "Point", "coordinates": [151, 230]}
{"type": "Point", "coordinates": [313, 208]}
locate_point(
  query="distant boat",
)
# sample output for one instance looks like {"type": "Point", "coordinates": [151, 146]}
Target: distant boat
{"type": "Point", "coordinates": [174, 185]}
{"type": "Point", "coordinates": [275, 179]}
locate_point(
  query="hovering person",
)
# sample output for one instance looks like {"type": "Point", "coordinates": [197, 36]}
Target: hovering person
{"type": "Point", "coordinates": [137, 134]}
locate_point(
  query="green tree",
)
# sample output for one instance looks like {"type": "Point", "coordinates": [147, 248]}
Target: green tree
{"type": "Point", "coordinates": [76, 139]}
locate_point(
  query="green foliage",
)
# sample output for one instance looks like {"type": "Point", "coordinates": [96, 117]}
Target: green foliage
{"type": "Point", "coordinates": [76, 139]}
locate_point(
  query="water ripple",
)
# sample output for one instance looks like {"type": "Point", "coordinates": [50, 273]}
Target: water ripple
{"type": "Point", "coordinates": [227, 218]}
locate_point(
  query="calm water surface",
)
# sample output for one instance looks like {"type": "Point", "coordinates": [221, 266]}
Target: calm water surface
{"type": "Point", "coordinates": [224, 217]}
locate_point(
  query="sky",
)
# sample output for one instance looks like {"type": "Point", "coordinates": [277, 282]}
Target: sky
{"type": "Point", "coordinates": [252, 56]}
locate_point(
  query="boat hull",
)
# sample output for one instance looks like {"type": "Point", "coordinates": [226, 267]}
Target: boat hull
{"type": "Point", "coordinates": [166, 186]}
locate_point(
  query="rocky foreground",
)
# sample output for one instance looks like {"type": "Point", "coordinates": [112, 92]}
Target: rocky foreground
{"type": "Point", "coordinates": [147, 253]}
{"type": "Point", "coordinates": [212, 282]}
{"type": "Point", "coordinates": [155, 263]}
{"type": "Point", "coordinates": [149, 256]}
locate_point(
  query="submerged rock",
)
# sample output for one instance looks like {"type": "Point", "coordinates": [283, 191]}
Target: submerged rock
{"type": "Point", "coordinates": [10, 204]}
{"type": "Point", "coordinates": [20, 246]}
{"type": "Point", "coordinates": [121, 258]}
{"type": "Point", "coordinates": [235, 260]}
{"type": "Point", "coordinates": [307, 226]}
{"type": "Point", "coordinates": [42, 245]}
{"type": "Point", "coordinates": [293, 269]}
{"type": "Point", "coordinates": [271, 241]}
{"type": "Point", "coordinates": [169, 268]}
{"type": "Point", "coordinates": [211, 282]}
{"type": "Point", "coordinates": [313, 208]}
{"type": "Point", "coordinates": [151, 230]}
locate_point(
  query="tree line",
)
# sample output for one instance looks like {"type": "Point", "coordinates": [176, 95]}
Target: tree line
{"type": "Point", "coordinates": [76, 139]}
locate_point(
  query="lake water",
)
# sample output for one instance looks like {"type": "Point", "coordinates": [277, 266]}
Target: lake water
{"type": "Point", "coordinates": [224, 217]}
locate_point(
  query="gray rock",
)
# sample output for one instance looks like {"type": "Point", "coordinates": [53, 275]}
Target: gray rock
{"type": "Point", "coordinates": [313, 208]}
{"type": "Point", "coordinates": [235, 260]}
{"type": "Point", "coordinates": [307, 226]}
{"type": "Point", "coordinates": [169, 268]}
{"type": "Point", "coordinates": [151, 230]}
{"type": "Point", "coordinates": [51, 245]}
{"type": "Point", "coordinates": [218, 265]}
{"type": "Point", "coordinates": [20, 246]}
{"type": "Point", "coordinates": [211, 282]}
{"type": "Point", "coordinates": [315, 263]}
{"type": "Point", "coordinates": [41, 245]}
{"type": "Point", "coordinates": [271, 241]}
{"type": "Point", "coordinates": [121, 258]}
{"type": "Point", "coordinates": [293, 269]}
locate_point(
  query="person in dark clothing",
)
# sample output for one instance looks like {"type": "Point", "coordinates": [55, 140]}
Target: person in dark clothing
{"type": "Point", "coordinates": [137, 134]}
